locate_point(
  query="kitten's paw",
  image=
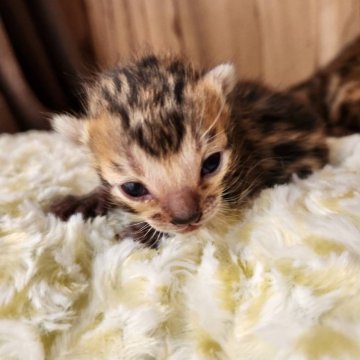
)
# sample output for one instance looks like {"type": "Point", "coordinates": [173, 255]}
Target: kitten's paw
{"type": "Point", "coordinates": [90, 205]}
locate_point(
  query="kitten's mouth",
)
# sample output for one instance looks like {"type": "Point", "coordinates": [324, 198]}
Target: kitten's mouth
{"type": "Point", "coordinates": [170, 228]}
{"type": "Point", "coordinates": [189, 228]}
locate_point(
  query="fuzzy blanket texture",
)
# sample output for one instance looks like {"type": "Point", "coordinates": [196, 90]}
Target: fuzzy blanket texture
{"type": "Point", "coordinates": [284, 283]}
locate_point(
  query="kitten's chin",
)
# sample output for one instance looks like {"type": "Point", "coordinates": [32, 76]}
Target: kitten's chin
{"type": "Point", "coordinates": [189, 228]}
{"type": "Point", "coordinates": [186, 229]}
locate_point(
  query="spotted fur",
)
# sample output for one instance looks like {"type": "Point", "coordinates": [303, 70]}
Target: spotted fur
{"type": "Point", "coordinates": [333, 92]}
{"type": "Point", "coordinates": [147, 98]}
{"type": "Point", "coordinates": [156, 120]}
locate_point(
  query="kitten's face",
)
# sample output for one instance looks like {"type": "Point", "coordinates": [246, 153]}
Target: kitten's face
{"type": "Point", "coordinates": [177, 190]}
{"type": "Point", "coordinates": [166, 161]}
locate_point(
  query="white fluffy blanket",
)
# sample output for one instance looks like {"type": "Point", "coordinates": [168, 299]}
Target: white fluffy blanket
{"type": "Point", "coordinates": [283, 284]}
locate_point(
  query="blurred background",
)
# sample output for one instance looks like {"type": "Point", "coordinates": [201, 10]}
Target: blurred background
{"type": "Point", "coordinates": [48, 46]}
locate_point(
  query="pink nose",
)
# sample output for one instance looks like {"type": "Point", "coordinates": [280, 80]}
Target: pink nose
{"type": "Point", "coordinates": [183, 207]}
{"type": "Point", "coordinates": [193, 218]}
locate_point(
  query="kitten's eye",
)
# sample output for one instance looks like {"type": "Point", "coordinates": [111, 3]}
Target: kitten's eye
{"type": "Point", "coordinates": [210, 164]}
{"type": "Point", "coordinates": [134, 189]}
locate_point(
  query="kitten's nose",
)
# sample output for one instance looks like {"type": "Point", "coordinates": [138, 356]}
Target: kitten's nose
{"type": "Point", "coordinates": [183, 207]}
{"type": "Point", "coordinates": [192, 218]}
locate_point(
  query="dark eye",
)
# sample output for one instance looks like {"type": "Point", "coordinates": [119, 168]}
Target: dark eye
{"type": "Point", "coordinates": [134, 189]}
{"type": "Point", "coordinates": [210, 164]}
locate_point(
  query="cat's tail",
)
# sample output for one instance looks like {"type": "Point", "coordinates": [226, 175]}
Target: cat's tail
{"type": "Point", "coordinates": [333, 92]}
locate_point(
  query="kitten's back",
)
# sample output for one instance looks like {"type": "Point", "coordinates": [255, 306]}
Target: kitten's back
{"type": "Point", "coordinates": [333, 92]}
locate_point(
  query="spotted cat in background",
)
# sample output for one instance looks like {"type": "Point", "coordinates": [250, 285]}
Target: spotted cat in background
{"type": "Point", "coordinates": [183, 149]}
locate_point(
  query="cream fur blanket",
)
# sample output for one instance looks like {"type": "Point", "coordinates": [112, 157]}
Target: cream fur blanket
{"type": "Point", "coordinates": [283, 284]}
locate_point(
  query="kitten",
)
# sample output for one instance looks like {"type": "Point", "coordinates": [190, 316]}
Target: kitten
{"type": "Point", "coordinates": [182, 149]}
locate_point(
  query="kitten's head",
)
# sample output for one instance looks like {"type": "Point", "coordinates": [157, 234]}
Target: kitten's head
{"type": "Point", "coordinates": [158, 133]}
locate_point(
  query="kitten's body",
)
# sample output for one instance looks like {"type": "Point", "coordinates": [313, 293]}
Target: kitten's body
{"type": "Point", "coordinates": [334, 92]}
{"type": "Point", "coordinates": [199, 144]}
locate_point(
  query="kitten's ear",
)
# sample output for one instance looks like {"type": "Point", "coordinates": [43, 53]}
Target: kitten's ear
{"type": "Point", "coordinates": [70, 127]}
{"type": "Point", "coordinates": [223, 75]}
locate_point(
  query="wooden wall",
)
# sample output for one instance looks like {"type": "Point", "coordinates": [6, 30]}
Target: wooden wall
{"type": "Point", "coordinates": [280, 41]}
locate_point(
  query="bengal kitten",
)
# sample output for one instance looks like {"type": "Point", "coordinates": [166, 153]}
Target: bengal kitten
{"type": "Point", "coordinates": [182, 149]}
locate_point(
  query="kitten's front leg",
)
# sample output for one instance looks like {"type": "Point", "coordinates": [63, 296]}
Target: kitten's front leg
{"type": "Point", "coordinates": [144, 233]}
{"type": "Point", "coordinates": [95, 203]}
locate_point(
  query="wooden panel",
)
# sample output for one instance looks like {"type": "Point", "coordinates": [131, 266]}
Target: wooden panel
{"type": "Point", "coordinates": [338, 22]}
{"type": "Point", "coordinates": [162, 25]}
{"type": "Point", "coordinates": [243, 17]}
{"type": "Point", "coordinates": [74, 18]}
{"type": "Point", "coordinates": [280, 41]}
{"type": "Point", "coordinates": [288, 39]}
{"type": "Point", "coordinates": [7, 119]}
{"type": "Point", "coordinates": [21, 102]}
